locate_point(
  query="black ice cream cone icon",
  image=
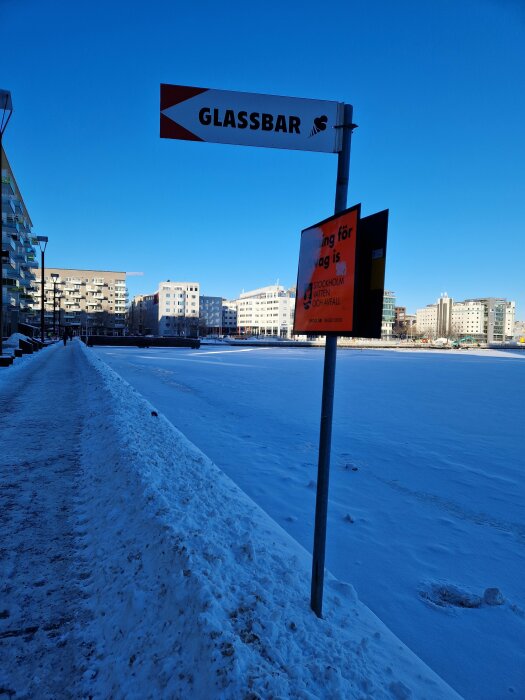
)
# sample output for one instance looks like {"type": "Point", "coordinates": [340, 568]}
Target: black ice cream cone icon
{"type": "Point", "coordinates": [319, 125]}
{"type": "Point", "coordinates": [307, 299]}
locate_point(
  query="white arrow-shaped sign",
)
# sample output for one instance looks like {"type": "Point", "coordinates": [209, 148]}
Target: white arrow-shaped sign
{"type": "Point", "coordinates": [250, 119]}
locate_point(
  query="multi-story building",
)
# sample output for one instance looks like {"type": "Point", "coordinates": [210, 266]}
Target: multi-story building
{"type": "Point", "coordinates": [519, 331]}
{"type": "Point", "coordinates": [229, 316]}
{"type": "Point", "coordinates": [467, 320]}
{"type": "Point", "coordinates": [488, 320]}
{"type": "Point", "coordinates": [498, 319]}
{"type": "Point", "coordinates": [444, 307]}
{"type": "Point", "coordinates": [210, 315]}
{"type": "Point", "coordinates": [389, 314]}
{"type": "Point", "coordinates": [426, 321]}
{"type": "Point", "coordinates": [90, 301]}
{"type": "Point", "coordinates": [404, 322]}
{"type": "Point", "coordinates": [19, 263]}
{"type": "Point", "coordinates": [173, 310]}
{"type": "Point", "coordinates": [266, 311]}
{"type": "Point", "coordinates": [138, 317]}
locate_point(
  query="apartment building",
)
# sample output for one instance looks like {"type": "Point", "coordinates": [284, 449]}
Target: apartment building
{"type": "Point", "coordinates": [138, 314]}
{"type": "Point", "coordinates": [519, 331]}
{"type": "Point", "coordinates": [487, 320]}
{"type": "Point", "coordinates": [229, 316]}
{"type": "Point", "coordinates": [92, 302]}
{"type": "Point", "coordinates": [19, 259]}
{"type": "Point", "coordinates": [173, 310]}
{"type": "Point", "coordinates": [266, 311]}
{"type": "Point", "coordinates": [389, 315]}
{"type": "Point", "coordinates": [210, 315]}
{"type": "Point", "coordinates": [403, 322]}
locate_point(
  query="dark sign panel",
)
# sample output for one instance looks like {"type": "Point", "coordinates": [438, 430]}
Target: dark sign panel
{"type": "Point", "coordinates": [370, 278]}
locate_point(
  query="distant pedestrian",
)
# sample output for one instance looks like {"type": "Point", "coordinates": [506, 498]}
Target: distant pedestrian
{"type": "Point", "coordinates": [70, 333]}
{"type": "Point", "coordinates": [65, 336]}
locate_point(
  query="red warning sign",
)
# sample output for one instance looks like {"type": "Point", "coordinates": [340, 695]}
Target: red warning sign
{"type": "Point", "coordinates": [326, 276]}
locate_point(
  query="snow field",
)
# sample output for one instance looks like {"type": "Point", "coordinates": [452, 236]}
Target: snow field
{"type": "Point", "coordinates": [427, 484]}
{"type": "Point", "coordinates": [194, 592]}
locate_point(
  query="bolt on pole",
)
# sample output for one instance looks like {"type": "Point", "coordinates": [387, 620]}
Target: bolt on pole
{"type": "Point", "coordinates": [325, 436]}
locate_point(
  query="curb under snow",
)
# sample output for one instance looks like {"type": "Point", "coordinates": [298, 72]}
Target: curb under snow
{"type": "Point", "coordinates": [197, 593]}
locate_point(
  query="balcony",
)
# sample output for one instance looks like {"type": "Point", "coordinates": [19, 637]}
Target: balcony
{"type": "Point", "coordinates": [7, 186]}
{"type": "Point", "coordinates": [8, 243]}
{"type": "Point", "coordinates": [11, 227]}
{"type": "Point", "coordinates": [9, 262]}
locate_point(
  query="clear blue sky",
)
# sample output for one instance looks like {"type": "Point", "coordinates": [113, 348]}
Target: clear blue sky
{"type": "Point", "coordinates": [437, 89]}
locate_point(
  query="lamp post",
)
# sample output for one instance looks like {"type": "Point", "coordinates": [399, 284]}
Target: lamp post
{"type": "Point", "coordinates": [6, 110]}
{"type": "Point", "coordinates": [54, 277]}
{"type": "Point", "coordinates": [42, 243]}
{"type": "Point", "coordinates": [59, 297]}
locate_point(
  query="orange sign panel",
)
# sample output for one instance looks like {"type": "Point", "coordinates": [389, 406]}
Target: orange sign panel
{"type": "Point", "coordinates": [326, 277]}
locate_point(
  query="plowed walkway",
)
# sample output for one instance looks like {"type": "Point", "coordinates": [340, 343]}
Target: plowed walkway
{"type": "Point", "coordinates": [40, 601]}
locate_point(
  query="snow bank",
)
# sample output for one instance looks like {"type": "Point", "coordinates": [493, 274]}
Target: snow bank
{"type": "Point", "coordinates": [196, 593]}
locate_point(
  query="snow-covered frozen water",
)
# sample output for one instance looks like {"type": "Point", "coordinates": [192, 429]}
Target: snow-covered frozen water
{"type": "Point", "coordinates": [427, 506]}
{"type": "Point", "coordinates": [132, 567]}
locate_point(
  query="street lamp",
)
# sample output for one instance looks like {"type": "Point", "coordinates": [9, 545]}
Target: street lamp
{"type": "Point", "coordinates": [59, 297]}
{"type": "Point", "coordinates": [6, 110]}
{"type": "Point", "coordinates": [54, 277]}
{"type": "Point", "coordinates": [42, 243]}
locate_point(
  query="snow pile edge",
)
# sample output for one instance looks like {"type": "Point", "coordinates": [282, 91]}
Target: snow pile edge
{"type": "Point", "coordinates": [196, 592]}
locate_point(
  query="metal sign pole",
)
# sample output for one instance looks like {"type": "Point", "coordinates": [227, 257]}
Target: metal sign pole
{"type": "Point", "coordinates": [325, 437]}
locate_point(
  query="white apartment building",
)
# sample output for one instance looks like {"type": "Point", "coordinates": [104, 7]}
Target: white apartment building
{"type": "Point", "coordinates": [266, 311]}
{"type": "Point", "coordinates": [426, 320]}
{"type": "Point", "coordinates": [173, 310]}
{"type": "Point", "coordinates": [489, 320]}
{"type": "Point", "coordinates": [468, 318]}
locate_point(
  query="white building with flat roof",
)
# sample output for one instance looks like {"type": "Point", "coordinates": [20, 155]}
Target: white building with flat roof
{"type": "Point", "coordinates": [488, 320]}
{"type": "Point", "coordinates": [266, 311]}
{"type": "Point", "coordinates": [173, 310]}
{"type": "Point", "coordinates": [178, 308]}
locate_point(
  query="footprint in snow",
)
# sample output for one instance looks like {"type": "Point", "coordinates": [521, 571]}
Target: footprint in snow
{"type": "Point", "coordinates": [447, 594]}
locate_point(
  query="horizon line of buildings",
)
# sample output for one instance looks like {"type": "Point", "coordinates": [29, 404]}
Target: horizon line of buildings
{"type": "Point", "coordinates": [96, 301]}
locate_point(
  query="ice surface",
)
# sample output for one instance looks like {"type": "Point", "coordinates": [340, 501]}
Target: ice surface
{"type": "Point", "coordinates": [427, 487]}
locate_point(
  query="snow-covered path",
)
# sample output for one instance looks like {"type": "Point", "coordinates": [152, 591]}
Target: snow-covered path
{"type": "Point", "coordinates": [40, 601]}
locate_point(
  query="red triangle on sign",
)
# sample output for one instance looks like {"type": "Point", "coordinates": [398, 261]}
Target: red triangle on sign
{"type": "Point", "coordinates": [173, 94]}
{"type": "Point", "coordinates": [171, 130]}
